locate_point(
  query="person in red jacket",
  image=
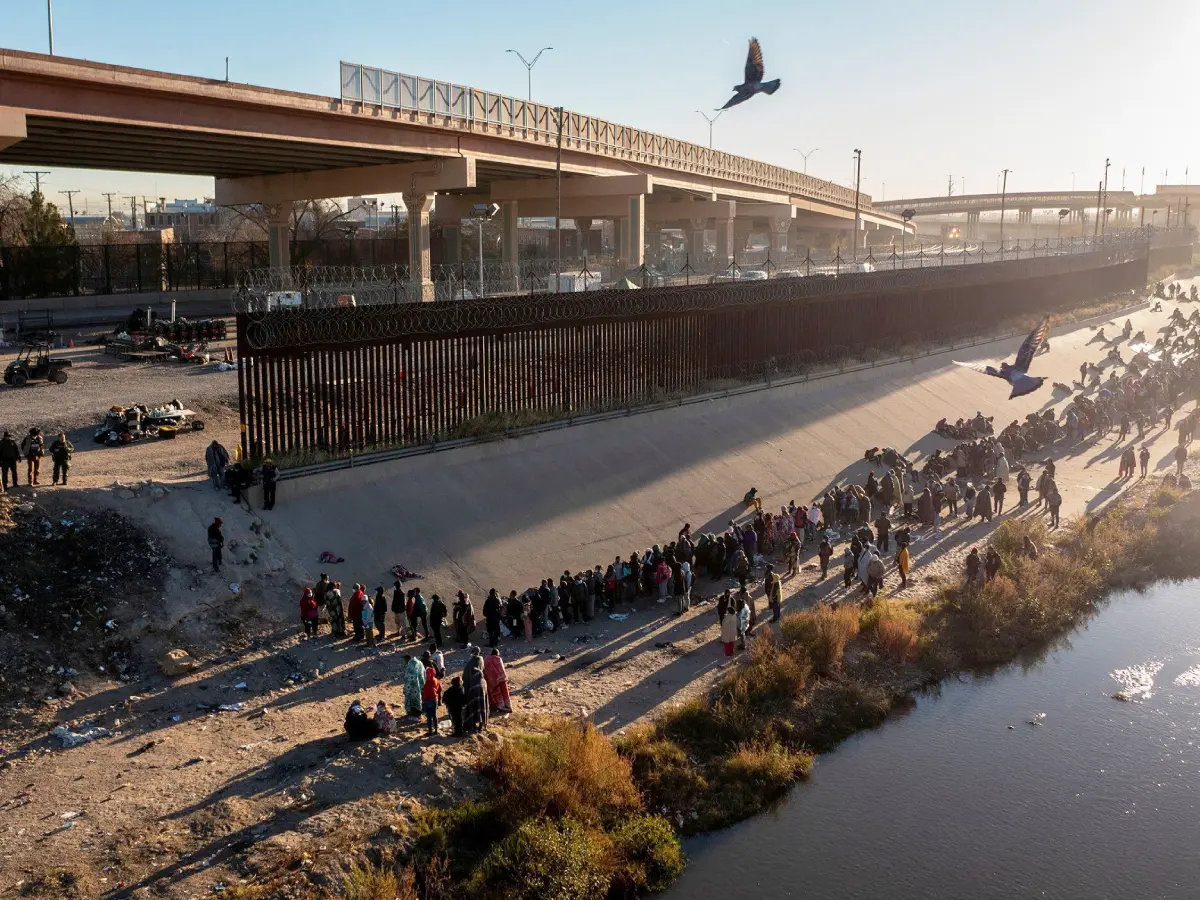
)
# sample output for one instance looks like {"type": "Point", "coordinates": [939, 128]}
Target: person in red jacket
{"type": "Point", "coordinates": [308, 612]}
{"type": "Point", "coordinates": [431, 695]}
{"type": "Point", "coordinates": [354, 610]}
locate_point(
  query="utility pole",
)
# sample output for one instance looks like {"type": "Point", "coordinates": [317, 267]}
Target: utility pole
{"type": "Point", "coordinates": [133, 211]}
{"type": "Point", "coordinates": [1003, 192]}
{"type": "Point", "coordinates": [1122, 179]}
{"type": "Point", "coordinates": [950, 186]}
{"type": "Point", "coordinates": [37, 179]}
{"type": "Point", "coordinates": [50, 23]}
{"type": "Point", "coordinates": [557, 203]}
{"type": "Point", "coordinates": [1099, 208]}
{"type": "Point", "coordinates": [1142, 190]}
{"type": "Point", "coordinates": [1104, 201]}
{"type": "Point", "coordinates": [857, 186]}
{"type": "Point", "coordinates": [108, 197]}
{"type": "Point", "coordinates": [71, 203]}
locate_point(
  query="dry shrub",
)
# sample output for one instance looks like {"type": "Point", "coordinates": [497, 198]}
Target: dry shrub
{"type": "Point", "coordinates": [895, 636]}
{"type": "Point", "coordinates": [1009, 538]}
{"type": "Point", "coordinates": [667, 775]}
{"type": "Point", "coordinates": [573, 771]}
{"type": "Point", "coordinates": [821, 634]}
{"type": "Point", "coordinates": [372, 883]}
{"type": "Point", "coordinates": [545, 859]}
{"type": "Point", "coordinates": [649, 856]}
{"type": "Point", "coordinates": [769, 674]}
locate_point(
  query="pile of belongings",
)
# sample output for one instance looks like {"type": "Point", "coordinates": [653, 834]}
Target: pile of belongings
{"type": "Point", "coordinates": [126, 424]}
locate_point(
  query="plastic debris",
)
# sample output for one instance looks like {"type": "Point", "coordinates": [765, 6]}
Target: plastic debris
{"type": "Point", "coordinates": [240, 686]}
{"type": "Point", "coordinates": [68, 816]}
{"type": "Point", "coordinates": [230, 707]}
{"type": "Point", "coordinates": [68, 738]}
{"type": "Point", "coordinates": [618, 617]}
{"type": "Point", "coordinates": [235, 588]}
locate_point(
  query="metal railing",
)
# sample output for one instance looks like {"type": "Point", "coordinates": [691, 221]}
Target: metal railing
{"type": "Point", "coordinates": [447, 105]}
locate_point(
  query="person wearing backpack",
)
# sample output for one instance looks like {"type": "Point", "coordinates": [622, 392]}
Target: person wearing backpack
{"type": "Point", "coordinates": [33, 448]}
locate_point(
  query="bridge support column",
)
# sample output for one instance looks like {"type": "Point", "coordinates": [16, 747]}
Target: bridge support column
{"type": "Point", "coordinates": [972, 225]}
{"type": "Point", "coordinates": [420, 276]}
{"type": "Point", "coordinates": [741, 237]}
{"type": "Point", "coordinates": [693, 231]}
{"type": "Point", "coordinates": [636, 241]}
{"type": "Point", "coordinates": [509, 235]}
{"type": "Point", "coordinates": [279, 235]}
{"type": "Point", "coordinates": [619, 230]}
{"type": "Point", "coordinates": [780, 228]}
{"type": "Point", "coordinates": [723, 257]}
{"type": "Point", "coordinates": [583, 228]}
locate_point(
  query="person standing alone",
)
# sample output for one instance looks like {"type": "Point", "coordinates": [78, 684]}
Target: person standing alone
{"type": "Point", "coordinates": [9, 454]}
{"type": "Point", "coordinates": [216, 540]}
{"type": "Point", "coordinates": [270, 475]}
{"type": "Point", "coordinates": [60, 452]}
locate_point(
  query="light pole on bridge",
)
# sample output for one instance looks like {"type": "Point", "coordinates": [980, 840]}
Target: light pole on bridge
{"type": "Point", "coordinates": [710, 120]}
{"type": "Point", "coordinates": [806, 156]}
{"type": "Point", "coordinates": [529, 69]}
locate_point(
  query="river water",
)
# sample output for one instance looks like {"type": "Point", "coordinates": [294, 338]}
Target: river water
{"type": "Point", "coordinates": [1101, 799]}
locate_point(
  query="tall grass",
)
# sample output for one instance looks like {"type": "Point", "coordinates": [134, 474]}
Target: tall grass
{"type": "Point", "coordinates": [821, 635]}
{"type": "Point", "coordinates": [573, 772]}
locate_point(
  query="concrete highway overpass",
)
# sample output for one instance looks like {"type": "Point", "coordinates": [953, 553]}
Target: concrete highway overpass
{"type": "Point", "coordinates": [392, 133]}
{"type": "Point", "coordinates": [1176, 199]}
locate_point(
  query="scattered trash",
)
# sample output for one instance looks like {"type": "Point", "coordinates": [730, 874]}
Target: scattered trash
{"type": "Point", "coordinates": [176, 718]}
{"type": "Point", "coordinates": [1011, 727]}
{"type": "Point", "coordinates": [240, 686]}
{"type": "Point", "coordinates": [1036, 720]}
{"type": "Point", "coordinates": [402, 574]}
{"type": "Point", "coordinates": [328, 557]}
{"type": "Point", "coordinates": [110, 624]}
{"type": "Point", "coordinates": [664, 645]}
{"type": "Point", "coordinates": [235, 588]}
{"type": "Point", "coordinates": [149, 745]}
{"type": "Point", "coordinates": [582, 638]}
{"type": "Point", "coordinates": [559, 658]}
{"type": "Point", "coordinates": [176, 662]}
{"type": "Point", "coordinates": [618, 617]}
{"type": "Point", "coordinates": [68, 738]}
{"type": "Point", "coordinates": [230, 707]}
{"type": "Point", "coordinates": [258, 713]}
{"type": "Point", "coordinates": [68, 816]}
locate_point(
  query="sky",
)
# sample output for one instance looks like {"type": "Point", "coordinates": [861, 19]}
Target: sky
{"type": "Point", "coordinates": [928, 90]}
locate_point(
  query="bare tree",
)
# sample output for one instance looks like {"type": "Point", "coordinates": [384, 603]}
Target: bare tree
{"type": "Point", "coordinates": [310, 220]}
{"type": "Point", "coordinates": [13, 204]}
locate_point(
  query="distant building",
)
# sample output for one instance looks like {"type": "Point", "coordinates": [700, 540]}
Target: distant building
{"type": "Point", "coordinates": [185, 216]}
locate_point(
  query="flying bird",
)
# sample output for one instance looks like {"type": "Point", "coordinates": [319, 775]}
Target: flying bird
{"type": "Point", "coordinates": [1017, 374]}
{"type": "Point", "coordinates": [754, 75]}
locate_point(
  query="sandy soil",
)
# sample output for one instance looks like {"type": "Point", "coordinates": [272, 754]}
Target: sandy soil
{"type": "Point", "coordinates": [184, 796]}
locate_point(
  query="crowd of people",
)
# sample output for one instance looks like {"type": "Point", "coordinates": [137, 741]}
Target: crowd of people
{"type": "Point", "coordinates": [878, 518]}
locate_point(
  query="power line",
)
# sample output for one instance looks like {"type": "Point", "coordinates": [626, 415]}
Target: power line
{"type": "Point", "coordinates": [133, 210]}
{"type": "Point", "coordinates": [108, 197]}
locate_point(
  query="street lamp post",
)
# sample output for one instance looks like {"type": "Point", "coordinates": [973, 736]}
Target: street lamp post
{"type": "Point", "coordinates": [1003, 192]}
{"type": "Point", "coordinates": [481, 212]}
{"type": "Point", "coordinates": [906, 215]}
{"type": "Point", "coordinates": [710, 120]}
{"type": "Point", "coordinates": [806, 156]}
{"type": "Point", "coordinates": [1104, 199]}
{"type": "Point", "coordinates": [50, 23]}
{"type": "Point", "coordinates": [529, 69]}
{"type": "Point", "coordinates": [857, 186]}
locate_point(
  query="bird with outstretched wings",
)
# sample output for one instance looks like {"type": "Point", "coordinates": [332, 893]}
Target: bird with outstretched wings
{"type": "Point", "coordinates": [753, 83]}
{"type": "Point", "coordinates": [1017, 373]}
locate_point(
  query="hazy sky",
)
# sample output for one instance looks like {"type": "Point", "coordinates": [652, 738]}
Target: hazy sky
{"type": "Point", "coordinates": [926, 90]}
